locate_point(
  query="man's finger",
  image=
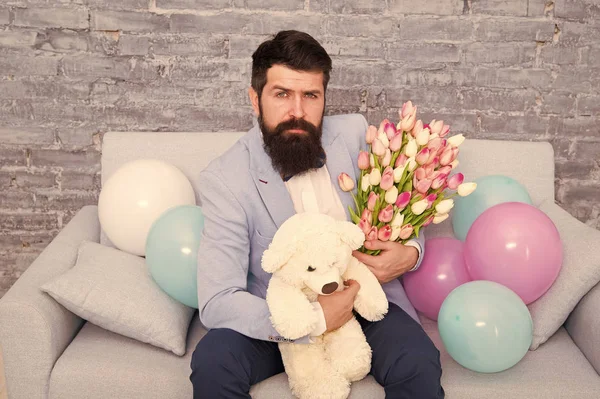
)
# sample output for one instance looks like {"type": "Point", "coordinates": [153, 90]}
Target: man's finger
{"type": "Point", "coordinates": [378, 244]}
{"type": "Point", "coordinates": [352, 287]}
{"type": "Point", "coordinates": [366, 259]}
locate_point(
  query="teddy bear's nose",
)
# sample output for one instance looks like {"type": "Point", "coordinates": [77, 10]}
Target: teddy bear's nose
{"type": "Point", "coordinates": [329, 288]}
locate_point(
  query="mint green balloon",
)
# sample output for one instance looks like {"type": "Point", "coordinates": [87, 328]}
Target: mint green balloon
{"type": "Point", "coordinates": [485, 326]}
{"type": "Point", "coordinates": [172, 252]}
{"type": "Point", "coordinates": [491, 190]}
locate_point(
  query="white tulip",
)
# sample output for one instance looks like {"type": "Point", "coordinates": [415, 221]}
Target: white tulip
{"type": "Point", "coordinates": [364, 184]}
{"type": "Point", "coordinates": [423, 137]}
{"type": "Point", "coordinates": [437, 219]}
{"type": "Point", "coordinates": [466, 189]}
{"type": "Point", "coordinates": [419, 207]}
{"type": "Point", "coordinates": [372, 160]}
{"type": "Point", "coordinates": [398, 220]}
{"type": "Point", "coordinates": [444, 206]}
{"type": "Point", "coordinates": [411, 148]}
{"type": "Point", "coordinates": [456, 140]}
{"type": "Point", "coordinates": [391, 195]}
{"type": "Point", "coordinates": [454, 164]}
{"type": "Point", "coordinates": [433, 136]}
{"type": "Point", "coordinates": [384, 139]}
{"type": "Point", "coordinates": [375, 177]}
{"type": "Point", "coordinates": [398, 172]}
{"type": "Point", "coordinates": [395, 233]}
{"type": "Point", "coordinates": [412, 164]}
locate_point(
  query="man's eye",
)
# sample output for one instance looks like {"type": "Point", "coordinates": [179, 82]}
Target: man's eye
{"type": "Point", "coordinates": [282, 94]}
{"type": "Point", "coordinates": [311, 269]}
{"type": "Point", "coordinates": [311, 95]}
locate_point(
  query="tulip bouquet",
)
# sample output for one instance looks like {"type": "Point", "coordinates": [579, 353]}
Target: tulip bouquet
{"type": "Point", "coordinates": [405, 182]}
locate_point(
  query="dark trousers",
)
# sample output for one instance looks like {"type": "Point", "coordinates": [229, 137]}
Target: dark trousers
{"type": "Point", "coordinates": [405, 362]}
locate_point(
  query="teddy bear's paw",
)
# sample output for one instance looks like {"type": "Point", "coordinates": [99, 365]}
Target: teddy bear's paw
{"type": "Point", "coordinates": [371, 308]}
{"type": "Point", "coordinates": [323, 386]}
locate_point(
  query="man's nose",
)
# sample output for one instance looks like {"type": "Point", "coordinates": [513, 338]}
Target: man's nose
{"type": "Point", "coordinates": [297, 110]}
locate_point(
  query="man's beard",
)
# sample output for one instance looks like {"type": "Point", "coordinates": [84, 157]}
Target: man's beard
{"type": "Point", "coordinates": [293, 153]}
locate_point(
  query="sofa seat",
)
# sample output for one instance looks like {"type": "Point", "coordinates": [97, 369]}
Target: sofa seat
{"type": "Point", "coordinates": [108, 365]}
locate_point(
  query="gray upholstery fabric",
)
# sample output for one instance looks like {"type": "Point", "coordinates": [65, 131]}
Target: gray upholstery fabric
{"type": "Point", "coordinates": [34, 328]}
{"type": "Point", "coordinates": [584, 326]}
{"type": "Point", "coordinates": [131, 369]}
{"type": "Point", "coordinates": [115, 290]}
{"type": "Point", "coordinates": [579, 273]}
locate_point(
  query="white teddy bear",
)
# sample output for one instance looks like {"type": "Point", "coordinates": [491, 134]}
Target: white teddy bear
{"type": "Point", "coordinates": [311, 255]}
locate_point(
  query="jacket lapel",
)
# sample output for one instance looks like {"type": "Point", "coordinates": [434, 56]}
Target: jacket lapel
{"type": "Point", "coordinates": [339, 161]}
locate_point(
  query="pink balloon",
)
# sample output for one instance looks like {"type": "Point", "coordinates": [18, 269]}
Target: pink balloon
{"type": "Point", "coordinates": [516, 245]}
{"type": "Point", "coordinates": [442, 270]}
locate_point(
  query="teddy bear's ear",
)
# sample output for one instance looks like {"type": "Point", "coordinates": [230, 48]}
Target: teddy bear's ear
{"type": "Point", "coordinates": [351, 234]}
{"type": "Point", "coordinates": [275, 257]}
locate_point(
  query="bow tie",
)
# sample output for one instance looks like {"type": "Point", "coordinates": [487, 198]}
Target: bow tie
{"type": "Point", "coordinates": [319, 163]}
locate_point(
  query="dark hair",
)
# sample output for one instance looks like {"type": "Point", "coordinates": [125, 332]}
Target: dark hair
{"type": "Point", "coordinates": [293, 49]}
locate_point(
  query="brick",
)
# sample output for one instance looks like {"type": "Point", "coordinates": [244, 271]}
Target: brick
{"type": "Point", "coordinates": [36, 88]}
{"type": "Point", "coordinates": [62, 41]}
{"type": "Point", "coordinates": [190, 69]}
{"type": "Point", "coordinates": [355, 48]}
{"type": "Point", "coordinates": [442, 97]}
{"type": "Point", "coordinates": [581, 127]}
{"type": "Point", "coordinates": [128, 21]}
{"type": "Point", "coordinates": [78, 137]}
{"type": "Point", "coordinates": [438, 76]}
{"type": "Point", "coordinates": [25, 241]}
{"type": "Point", "coordinates": [275, 5]}
{"type": "Point", "coordinates": [321, 6]}
{"type": "Point", "coordinates": [559, 55]}
{"type": "Point", "coordinates": [556, 102]}
{"type": "Point", "coordinates": [574, 169]}
{"type": "Point", "coordinates": [517, 8]}
{"type": "Point", "coordinates": [213, 119]}
{"type": "Point", "coordinates": [341, 96]}
{"type": "Point", "coordinates": [573, 79]}
{"type": "Point", "coordinates": [503, 30]}
{"type": "Point", "coordinates": [26, 135]}
{"type": "Point", "coordinates": [417, 28]}
{"type": "Point", "coordinates": [35, 179]}
{"type": "Point", "coordinates": [72, 18]}
{"type": "Point", "coordinates": [193, 4]}
{"type": "Point", "coordinates": [513, 78]}
{"type": "Point", "coordinates": [359, 26]}
{"type": "Point", "coordinates": [448, 7]}
{"type": "Point", "coordinates": [7, 179]}
{"type": "Point", "coordinates": [76, 159]}
{"type": "Point", "coordinates": [16, 112]}
{"type": "Point", "coordinates": [569, 9]}
{"type": "Point", "coordinates": [116, 5]}
{"type": "Point", "coordinates": [581, 191]}
{"type": "Point", "coordinates": [242, 46]}
{"type": "Point", "coordinates": [16, 199]}
{"type": "Point", "coordinates": [23, 65]}
{"type": "Point", "coordinates": [499, 53]}
{"type": "Point", "coordinates": [424, 52]}
{"type": "Point", "coordinates": [198, 46]}
{"type": "Point", "coordinates": [460, 122]}
{"type": "Point", "coordinates": [4, 16]}
{"type": "Point", "coordinates": [134, 45]}
{"type": "Point", "coordinates": [359, 7]}
{"type": "Point", "coordinates": [486, 99]}
{"type": "Point", "coordinates": [269, 24]}
{"type": "Point", "coordinates": [226, 22]}
{"type": "Point", "coordinates": [13, 157]}
{"type": "Point", "coordinates": [93, 67]}
{"type": "Point", "coordinates": [588, 105]}
{"type": "Point", "coordinates": [27, 221]}
{"type": "Point", "coordinates": [517, 125]}
{"type": "Point", "coordinates": [591, 56]}
{"type": "Point", "coordinates": [73, 180]}
{"type": "Point", "coordinates": [17, 38]}
{"type": "Point", "coordinates": [588, 150]}
{"type": "Point", "coordinates": [576, 33]}
{"type": "Point", "coordinates": [365, 74]}
{"type": "Point", "coordinates": [49, 200]}
{"type": "Point", "coordinates": [540, 8]}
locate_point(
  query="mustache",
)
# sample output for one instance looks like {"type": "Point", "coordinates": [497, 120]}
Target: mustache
{"type": "Point", "coordinates": [296, 124]}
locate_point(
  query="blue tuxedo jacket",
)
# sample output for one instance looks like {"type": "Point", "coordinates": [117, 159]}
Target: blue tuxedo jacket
{"type": "Point", "coordinates": [244, 201]}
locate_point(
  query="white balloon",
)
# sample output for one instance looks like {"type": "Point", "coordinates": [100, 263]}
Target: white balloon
{"type": "Point", "coordinates": [135, 196]}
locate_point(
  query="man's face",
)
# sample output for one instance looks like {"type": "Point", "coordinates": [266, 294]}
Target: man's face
{"type": "Point", "coordinates": [290, 114]}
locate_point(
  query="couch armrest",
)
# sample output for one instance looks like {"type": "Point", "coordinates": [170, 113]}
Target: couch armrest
{"type": "Point", "coordinates": [583, 325]}
{"type": "Point", "coordinates": [34, 328]}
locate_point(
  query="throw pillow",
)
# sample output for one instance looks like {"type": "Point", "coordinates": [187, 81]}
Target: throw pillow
{"type": "Point", "coordinates": [114, 290]}
{"type": "Point", "coordinates": [580, 272]}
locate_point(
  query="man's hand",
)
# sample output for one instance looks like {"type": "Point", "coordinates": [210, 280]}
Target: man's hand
{"type": "Point", "coordinates": [338, 306]}
{"type": "Point", "coordinates": [394, 260]}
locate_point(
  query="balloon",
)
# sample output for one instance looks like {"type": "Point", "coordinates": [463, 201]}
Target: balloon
{"type": "Point", "coordinates": [172, 252]}
{"type": "Point", "coordinates": [485, 326]}
{"type": "Point", "coordinates": [491, 190]}
{"type": "Point", "coordinates": [516, 245]}
{"type": "Point", "coordinates": [135, 196]}
{"type": "Point", "coordinates": [442, 270]}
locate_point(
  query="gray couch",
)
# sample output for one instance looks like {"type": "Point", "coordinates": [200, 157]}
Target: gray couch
{"type": "Point", "coordinates": [49, 352]}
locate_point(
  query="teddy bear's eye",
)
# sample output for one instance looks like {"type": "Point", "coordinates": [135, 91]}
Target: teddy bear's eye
{"type": "Point", "coordinates": [311, 269]}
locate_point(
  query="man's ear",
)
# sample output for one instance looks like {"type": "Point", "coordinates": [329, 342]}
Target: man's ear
{"type": "Point", "coordinates": [276, 256]}
{"type": "Point", "coordinates": [350, 234]}
{"type": "Point", "coordinates": [254, 100]}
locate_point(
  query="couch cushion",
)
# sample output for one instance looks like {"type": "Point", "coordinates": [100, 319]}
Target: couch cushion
{"type": "Point", "coordinates": [101, 364]}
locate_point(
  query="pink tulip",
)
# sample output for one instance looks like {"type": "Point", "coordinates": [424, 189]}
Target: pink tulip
{"type": "Point", "coordinates": [387, 158]}
{"type": "Point", "coordinates": [443, 146]}
{"type": "Point", "coordinates": [386, 214]}
{"type": "Point", "coordinates": [420, 173]}
{"type": "Point", "coordinates": [390, 130]}
{"type": "Point", "coordinates": [378, 148]}
{"type": "Point", "coordinates": [408, 122]}
{"type": "Point", "coordinates": [423, 186]}
{"type": "Point", "coordinates": [417, 128]}
{"type": "Point", "coordinates": [372, 201]}
{"type": "Point", "coordinates": [428, 221]}
{"type": "Point", "coordinates": [446, 156]}
{"type": "Point", "coordinates": [365, 226]}
{"type": "Point", "coordinates": [372, 234]}
{"type": "Point", "coordinates": [403, 200]}
{"type": "Point", "coordinates": [401, 160]}
{"type": "Point", "coordinates": [434, 144]}
{"type": "Point", "coordinates": [445, 131]}
{"type": "Point", "coordinates": [433, 158]}
{"type": "Point", "coordinates": [434, 175]}
{"type": "Point", "coordinates": [436, 126]}
{"type": "Point", "coordinates": [439, 181]}
{"type": "Point", "coordinates": [363, 160]}
{"type": "Point", "coordinates": [445, 170]}
{"type": "Point", "coordinates": [385, 233]}
{"type": "Point", "coordinates": [407, 109]}
{"type": "Point", "coordinates": [422, 156]}
{"type": "Point", "coordinates": [387, 178]}
{"type": "Point", "coordinates": [429, 169]}
{"type": "Point", "coordinates": [381, 129]}
{"type": "Point", "coordinates": [367, 215]}
{"type": "Point", "coordinates": [371, 134]}
{"type": "Point", "coordinates": [431, 199]}
{"type": "Point", "coordinates": [406, 231]}
{"type": "Point", "coordinates": [346, 183]}
{"type": "Point", "coordinates": [455, 181]}
{"type": "Point", "coordinates": [396, 142]}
